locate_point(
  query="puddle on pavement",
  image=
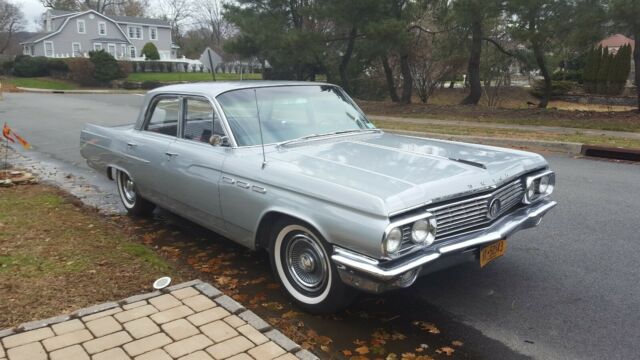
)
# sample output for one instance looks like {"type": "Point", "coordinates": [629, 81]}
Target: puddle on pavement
{"type": "Point", "coordinates": [372, 328]}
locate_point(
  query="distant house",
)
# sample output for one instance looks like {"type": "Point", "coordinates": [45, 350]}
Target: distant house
{"type": "Point", "coordinates": [614, 43]}
{"type": "Point", "coordinates": [74, 34]}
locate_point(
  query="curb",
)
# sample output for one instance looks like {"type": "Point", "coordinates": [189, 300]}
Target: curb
{"type": "Point", "coordinates": [96, 91]}
{"type": "Point", "coordinates": [554, 146]}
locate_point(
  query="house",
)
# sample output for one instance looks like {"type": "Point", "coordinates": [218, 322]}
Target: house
{"type": "Point", "coordinates": [614, 43]}
{"type": "Point", "coordinates": [75, 33]}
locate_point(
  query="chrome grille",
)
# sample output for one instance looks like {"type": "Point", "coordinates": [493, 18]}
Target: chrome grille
{"type": "Point", "coordinates": [470, 214]}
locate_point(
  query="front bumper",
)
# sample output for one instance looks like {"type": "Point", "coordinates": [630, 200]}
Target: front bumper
{"type": "Point", "coordinates": [372, 275]}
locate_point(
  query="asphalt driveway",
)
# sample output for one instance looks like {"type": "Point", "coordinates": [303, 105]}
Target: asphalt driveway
{"type": "Point", "coordinates": [567, 290]}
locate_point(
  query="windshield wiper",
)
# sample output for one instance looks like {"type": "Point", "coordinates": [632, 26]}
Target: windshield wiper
{"type": "Point", "coordinates": [313, 136]}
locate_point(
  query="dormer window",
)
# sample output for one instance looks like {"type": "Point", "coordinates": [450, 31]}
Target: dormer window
{"type": "Point", "coordinates": [102, 28]}
{"type": "Point", "coordinates": [81, 26]}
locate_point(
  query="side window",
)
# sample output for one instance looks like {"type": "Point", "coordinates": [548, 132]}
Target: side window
{"type": "Point", "coordinates": [200, 121]}
{"type": "Point", "coordinates": [164, 116]}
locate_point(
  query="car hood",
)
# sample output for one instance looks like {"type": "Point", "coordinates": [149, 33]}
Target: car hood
{"type": "Point", "coordinates": [404, 171]}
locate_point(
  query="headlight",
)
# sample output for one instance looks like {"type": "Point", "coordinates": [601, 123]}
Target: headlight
{"type": "Point", "coordinates": [423, 232]}
{"type": "Point", "coordinates": [531, 191]}
{"type": "Point", "coordinates": [539, 186]}
{"type": "Point", "coordinates": [543, 187]}
{"type": "Point", "coordinates": [393, 241]}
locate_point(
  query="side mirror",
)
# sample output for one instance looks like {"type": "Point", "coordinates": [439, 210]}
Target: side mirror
{"type": "Point", "coordinates": [217, 140]}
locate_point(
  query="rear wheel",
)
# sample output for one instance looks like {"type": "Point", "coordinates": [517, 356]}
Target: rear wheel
{"type": "Point", "coordinates": [132, 201]}
{"type": "Point", "coordinates": [300, 259]}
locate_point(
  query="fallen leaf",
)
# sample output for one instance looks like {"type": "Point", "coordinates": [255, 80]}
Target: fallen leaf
{"type": "Point", "coordinates": [362, 350]}
{"type": "Point", "coordinates": [447, 350]}
{"type": "Point", "coordinates": [290, 314]}
{"type": "Point", "coordinates": [359, 342]}
{"type": "Point", "coordinates": [457, 343]}
{"type": "Point", "coordinates": [324, 348]}
{"type": "Point", "coordinates": [346, 353]}
{"type": "Point", "coordinates": [273, 305]}
{"type": "Point", "coordinates": [428, 327]}
{"type": "Point", "coordinates": [392, 356]}
{"type": "Point", "coordinates": [408, 356]}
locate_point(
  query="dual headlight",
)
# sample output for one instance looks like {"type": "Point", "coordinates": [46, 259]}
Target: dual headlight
{"type": "Point", "coordinates": [421, 232]}
{"type": "Point", "coordinates": [539, 186]}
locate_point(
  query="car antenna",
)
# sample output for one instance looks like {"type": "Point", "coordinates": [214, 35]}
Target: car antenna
{"type": "Point", "coordinates": [264, 157]}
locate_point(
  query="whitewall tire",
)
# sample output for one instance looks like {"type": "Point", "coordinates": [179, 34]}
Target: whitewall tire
{"type": "Point", "coordinates": [131, 200]}
{"type": "Point", "coordinates": [301, 261]}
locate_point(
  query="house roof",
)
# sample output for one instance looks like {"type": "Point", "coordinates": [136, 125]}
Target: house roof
{"type": "Point", "coordinates": [66, 20]}
{"type": "Point", "coordinates": [140, 20]}
{"type": "Point", "coordinates": [34, 36]}
{"type": "Point", "coordinates": [61, 12]}
{"type": "Point", "coordinates": [617, 41]}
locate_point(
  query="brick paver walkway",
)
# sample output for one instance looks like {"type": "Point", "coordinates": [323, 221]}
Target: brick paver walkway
{"type": "Point", "coordinates": [189, 321]}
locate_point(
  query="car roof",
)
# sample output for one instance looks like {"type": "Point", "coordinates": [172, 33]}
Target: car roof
{"type": "Point", "coordinates": [215, 88]}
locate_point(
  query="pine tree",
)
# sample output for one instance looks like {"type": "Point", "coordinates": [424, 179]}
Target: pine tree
{"type": "Point", "coordinates": [603, 72]}
{"type": "Point", "coordinates": [589, 71]}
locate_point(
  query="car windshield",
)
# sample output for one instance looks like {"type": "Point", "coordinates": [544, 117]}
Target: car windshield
{"type": "Point", "coordinates": [289, 113]}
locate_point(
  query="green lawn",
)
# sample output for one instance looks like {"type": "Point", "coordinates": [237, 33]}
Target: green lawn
{"type": "Point", "coordinates": [42, 83]}
{"type": "Point", "coordinates": [181, 76]}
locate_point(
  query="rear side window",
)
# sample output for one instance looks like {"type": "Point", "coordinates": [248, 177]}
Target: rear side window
{"type": "Point", "coordinates": [200, 120]}
{"type": "Point", "coordinates": [164, 116]}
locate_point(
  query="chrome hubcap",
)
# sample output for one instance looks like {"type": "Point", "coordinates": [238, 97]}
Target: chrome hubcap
{"type": "Point", "coordinates": [306, 263]}
{"type": "Point", "coordinates": [128, 188]}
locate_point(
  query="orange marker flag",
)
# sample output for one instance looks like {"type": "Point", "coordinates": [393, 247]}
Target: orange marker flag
{"type": "Point", "coordinates": [6, 132]}
{"type": "Point", "coordinates": [10, 134]}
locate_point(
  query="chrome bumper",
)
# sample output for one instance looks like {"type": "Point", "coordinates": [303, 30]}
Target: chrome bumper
{"type": "Point", "coordinates": [348, 261]}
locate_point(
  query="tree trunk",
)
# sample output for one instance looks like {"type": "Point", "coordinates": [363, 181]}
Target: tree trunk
{"type": "Point", "coordinates": [407, 80]}
{"type": "Point", "coordinates": [636, 59]}
{"type": "Point", "coordinates": [473, 69]}
{"type": "Point", "coordinates": [346, 58]}
{"type": "Point", "coordinates": [539, 55]}
{"type": "Point", "coordinates": [388, 74]}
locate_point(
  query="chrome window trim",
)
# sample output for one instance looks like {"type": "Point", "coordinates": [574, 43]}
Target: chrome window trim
{"type": "Point", "coordinates": [184, 109]}
{"type": "Point", "coordinates": [151, 107]}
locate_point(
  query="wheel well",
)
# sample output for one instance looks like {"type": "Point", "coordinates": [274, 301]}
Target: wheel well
{"type": "Point", "coordinates": [268, 221]}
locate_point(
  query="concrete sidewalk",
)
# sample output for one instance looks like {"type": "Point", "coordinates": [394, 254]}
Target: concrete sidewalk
{"type": "Point", "coordinates": [189, 321]}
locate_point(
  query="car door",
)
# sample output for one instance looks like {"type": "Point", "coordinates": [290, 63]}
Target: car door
{"type": "Point", "coordinates": [150, 147]}
{"type": "Point", "coordinates": [196, 166]}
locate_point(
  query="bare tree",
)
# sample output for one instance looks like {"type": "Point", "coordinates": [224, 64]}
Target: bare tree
{"type": "Point", "coordinates": [177, 12]}
{"type": "Point", "coordinates": [11, 20]}
{"type": "Point", "coordinates": [61, 4]}
{"type": "Point", "coordinates": [208, 15]}
{"type": "Point", "coordinates": [129, 8]}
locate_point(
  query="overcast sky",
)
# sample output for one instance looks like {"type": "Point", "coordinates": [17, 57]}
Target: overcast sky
{"type": "Point", "coordinates": [32, 10]}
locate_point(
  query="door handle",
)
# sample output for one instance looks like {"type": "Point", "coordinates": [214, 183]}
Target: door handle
{"type": "Point", "coordinates": [171, 154]}
{"type": "Point", "coordinates": [131, 144]}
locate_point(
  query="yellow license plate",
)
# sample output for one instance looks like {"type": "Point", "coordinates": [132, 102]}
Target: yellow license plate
{"type": "Point", "coordinates": [492, 252]}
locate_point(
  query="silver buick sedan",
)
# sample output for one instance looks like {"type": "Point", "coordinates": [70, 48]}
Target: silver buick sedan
{"type": "Point", "coordinates": [297, 169]}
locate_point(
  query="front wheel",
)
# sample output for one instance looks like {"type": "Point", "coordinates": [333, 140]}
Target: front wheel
{"type": "Point", "coordinates": [300, 259]}
{"type": "Point", "coordinates": [132, 201]}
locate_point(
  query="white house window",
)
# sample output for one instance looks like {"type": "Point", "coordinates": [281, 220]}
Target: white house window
{"type": "Point", "coordinates": [75, 49]}
{"type": "Point", "coordinates": [123, 50]}
{"type": "Point", "coordinates": [132, 51]}
{"type": "Point", "coordinates": [135, 32]}
{"type": "Point", "coordinates": [97, 46]}
{"type": "Point", "coordinates": [111, 49]}
{"type": "Point", "coordinates": [26, 50]}
{"type": "Point", "coordinates": [153, 33]}
{"type": "Point", "coordinates": [102, 28]}
{"type": "Point", "coordinates": [48, 48]}
{"type": "Point", "coordinates": [81, 26]}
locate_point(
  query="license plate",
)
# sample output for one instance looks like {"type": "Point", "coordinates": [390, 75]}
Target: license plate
{"type": "Point", "coordinates": [492, 252]}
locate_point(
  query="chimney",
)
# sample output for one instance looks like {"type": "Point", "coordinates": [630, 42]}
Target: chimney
{"type": "Point", "coordinates": [47, 21]}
